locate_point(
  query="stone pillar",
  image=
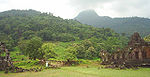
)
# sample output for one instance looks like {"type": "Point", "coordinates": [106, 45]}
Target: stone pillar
{"type": "Point", "coordinates": [140, 55]}
{"type": "Point", "coordinates": [106, 56]}
{"type": "Point", "coordinates": [121, 55]}
{"type": "Point", "coordinates": [115, 56]}
{"type": "Point", "coordinates": [103, 56]}
{"type": "Point", "coordinates": [133, 55]}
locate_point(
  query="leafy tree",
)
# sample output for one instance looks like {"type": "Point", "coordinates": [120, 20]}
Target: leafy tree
{"type": "Point", "coordinates": [31, 48]}
{"type": "Point", "coordinates": [91, 53]}
{"type": "Point", "coordinates": [70, 53]}
{"type": "Point", "coordinates": [48, 50]}
{"type": "Point", "coordinates": [23, 46]}
{"type": "Point", "coordinates": [9, 42]}
{"type": "Point", "coordinates": [28, 35]}
{"type": "Point", "coordinates": [85, 50]}
{"type": "Point", "coordinates": [45, 35]}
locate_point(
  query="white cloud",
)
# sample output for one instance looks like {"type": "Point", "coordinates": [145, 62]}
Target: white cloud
{"type": "Point", "coordinates": [70, 8]}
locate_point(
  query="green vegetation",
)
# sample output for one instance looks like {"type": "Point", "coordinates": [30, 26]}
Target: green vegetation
{"type": "Point", "coordinates": [31, 48]}
{"type": "Point", "coordinates": [17, 56]}
{"type": "Point", "coordinates": [83, 72]}
{"type": "Point", "coordinates": [147, 38]}
{"type": "Point", "coordinates": [44, 36]}
{"type": "Point", "coordinates": [20, 60]}
{"type": "Point", "coordinates": [28, 64]}
{"type": "Point", "coordinates": [48, 50]}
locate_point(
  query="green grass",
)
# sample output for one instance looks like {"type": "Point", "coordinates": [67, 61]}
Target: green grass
{"type": "Point", "coordinates": [79, 71]}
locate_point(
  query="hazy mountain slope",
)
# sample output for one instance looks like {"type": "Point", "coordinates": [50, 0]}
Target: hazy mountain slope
{"type": "Point", "coordinates": [126, 25]}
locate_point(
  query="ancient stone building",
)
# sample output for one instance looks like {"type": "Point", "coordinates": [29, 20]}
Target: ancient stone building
{"type": "Point", "coordinates": [136, 41]}
{"type": "Point", "coordinates": [137, 52]}
{"type": "Point", "coordinates": [138, 47]}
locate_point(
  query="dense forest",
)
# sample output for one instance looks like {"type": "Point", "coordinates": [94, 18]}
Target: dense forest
{"type": "Point", "coordinates": [53, 37]}
{"type": "Point", "coordinates": [126, 25]}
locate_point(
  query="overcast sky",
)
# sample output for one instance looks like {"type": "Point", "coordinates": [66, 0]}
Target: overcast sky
{"type": "Point", "coordinates": [71, 8]}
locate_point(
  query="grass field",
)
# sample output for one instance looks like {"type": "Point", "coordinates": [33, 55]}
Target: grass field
{"type": "Point", "coordinates": [80, 71]}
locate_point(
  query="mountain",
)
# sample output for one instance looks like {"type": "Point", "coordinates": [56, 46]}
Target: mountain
{"type": "Point", "coordinates": [126, 25]}
{"type": "Point", "coordinates": [18, 25]}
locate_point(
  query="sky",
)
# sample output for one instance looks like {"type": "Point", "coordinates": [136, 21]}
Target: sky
{"type": "Point", "coordinates": [68, 9]}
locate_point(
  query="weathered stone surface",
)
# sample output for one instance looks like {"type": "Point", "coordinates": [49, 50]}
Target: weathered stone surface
{"type": "Point", "coordinates": [105, 56]}
{"type": "Point", "coordinates": [147, 51]}
{"type": "Point", "coordinates": [136, 40]}
{"type": "Point", "coordinates": [136, 53]}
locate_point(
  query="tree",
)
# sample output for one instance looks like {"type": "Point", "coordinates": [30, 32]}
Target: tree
{"type": "Point", "coordinates": [70, 53]}
{"type": "Point", "coordinates": [85, 50]}
{"type": "Point", "coordinates": [9, 42]}
{"type": "Point", "coordinates": [28, 34]}
{"type": "Point", "coordinates": [31, 47]}
{"type": "Point", "coordinates": [48, 50]}
{"type": "Point", "coordinates": [91, 52]}
{"type": "Point", "coordinates": [45, 35]}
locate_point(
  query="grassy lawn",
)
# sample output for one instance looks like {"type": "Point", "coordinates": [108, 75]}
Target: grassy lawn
{"type": "Point", "coordinates": [79, 71]}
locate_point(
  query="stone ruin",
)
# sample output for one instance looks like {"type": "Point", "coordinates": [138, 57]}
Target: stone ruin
{"type": "Point", "coordinates": [136, 54]}
{"type": "Point", "coordinates": [58, 64]}
{"type": "Point", "coordinates": [6, 63]}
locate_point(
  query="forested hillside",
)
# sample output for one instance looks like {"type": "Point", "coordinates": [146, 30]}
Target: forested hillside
{"type": "Point", "coordinates": [127, 25]}
{"type": "Point", "coordinates": [18, 26]}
